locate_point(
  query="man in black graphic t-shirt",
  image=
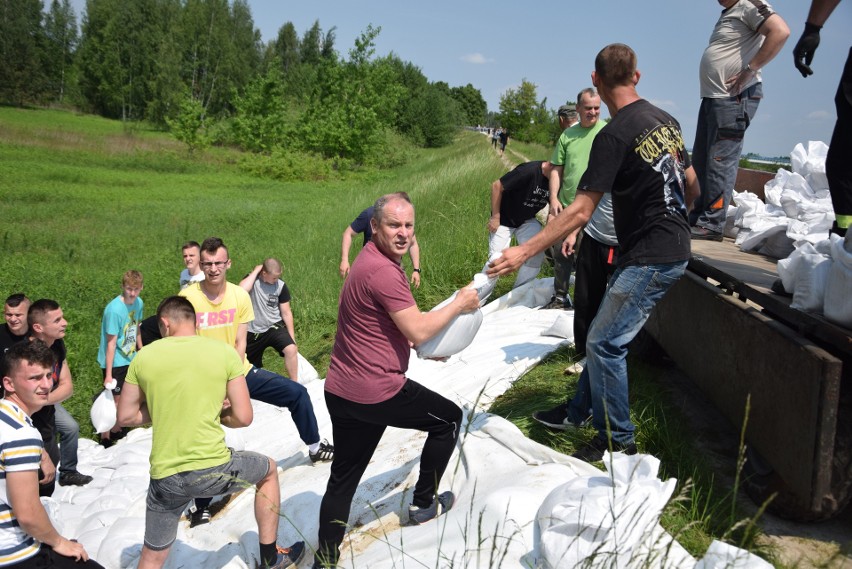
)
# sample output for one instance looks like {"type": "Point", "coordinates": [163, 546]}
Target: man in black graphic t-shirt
{"type": "Point", "coordinates": [640, 159]}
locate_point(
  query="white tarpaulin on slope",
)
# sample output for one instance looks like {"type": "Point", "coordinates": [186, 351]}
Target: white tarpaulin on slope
{"type": "Point", "coordinates": [513, 495]}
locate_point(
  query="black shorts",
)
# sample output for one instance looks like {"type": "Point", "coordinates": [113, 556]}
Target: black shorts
{"type": "Point", "coordinates": [276, 337]}
{"type": "Point", "coordinates": [118, 374]}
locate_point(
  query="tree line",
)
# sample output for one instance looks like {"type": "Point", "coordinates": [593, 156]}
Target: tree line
{"type": "Point", "coordinates": [200, 69]}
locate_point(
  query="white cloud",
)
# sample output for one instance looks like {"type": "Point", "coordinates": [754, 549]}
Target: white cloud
{"type": "Point", "coordinates": [475, 58]}
{"type": "Point", "coordinates": [820, 116]}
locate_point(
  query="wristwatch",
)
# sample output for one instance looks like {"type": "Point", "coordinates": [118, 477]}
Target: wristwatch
{"type": "Point", "coordinates": [416, 270]}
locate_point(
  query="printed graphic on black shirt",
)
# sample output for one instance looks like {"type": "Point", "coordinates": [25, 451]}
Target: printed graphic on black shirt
{"type": "Point", "coordinates": [663, 149]}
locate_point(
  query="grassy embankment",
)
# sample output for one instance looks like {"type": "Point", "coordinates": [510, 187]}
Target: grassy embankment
{"type": "Point", "coordinates": [84, 199]}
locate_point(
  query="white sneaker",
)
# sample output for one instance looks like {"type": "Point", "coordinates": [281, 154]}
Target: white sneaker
{"type": "Point", "coordinates": [576, 367]}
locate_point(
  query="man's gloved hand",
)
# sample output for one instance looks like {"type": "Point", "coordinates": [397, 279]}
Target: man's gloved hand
{"type": "Point", "coordinates": [803, 53]}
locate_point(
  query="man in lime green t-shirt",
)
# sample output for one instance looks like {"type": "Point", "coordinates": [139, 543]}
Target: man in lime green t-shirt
{"type": "Point", "coordinates": [187, 386]}
{"type": "Point", "coordinates": [570, 158]}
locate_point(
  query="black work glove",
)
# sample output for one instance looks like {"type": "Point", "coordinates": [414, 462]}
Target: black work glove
{"type": "Point", "coordinates": [803, 53]}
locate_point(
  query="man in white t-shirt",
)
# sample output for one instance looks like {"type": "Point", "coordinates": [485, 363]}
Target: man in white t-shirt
{"type": "Point", "coordinates": [191, 258]}
{"type": "Point", "coordinates": [272, 326]}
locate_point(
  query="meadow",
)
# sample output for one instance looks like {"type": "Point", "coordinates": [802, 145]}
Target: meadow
{"type": "Point", "coordinates": [83, 199]}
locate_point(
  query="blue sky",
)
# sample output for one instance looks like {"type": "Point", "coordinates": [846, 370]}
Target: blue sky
{"type": "Point", "coordinates": [495, 44]}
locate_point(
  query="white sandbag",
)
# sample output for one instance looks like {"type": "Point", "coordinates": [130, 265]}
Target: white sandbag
{"type": "Point", "coordinates": [731, 228]}
{"type": "Point", "coordinates": [234, 439]}
{"type": "Point", "coordinates": [776, 245]}
{"type": "Point", "coordinates": [811, 278]}
{"type": "Point", "coordinates": [454, 337]}
{"type": "Point", "coordinates": [760, 231]}
{"type": "Point", "coordinates": [605, 520]}
{"type": "Point", "coordinates": [103, 413]}
{"type": "Point", "coordinates": [483, 284]}
{"type": "Point", "coordinates": [837, 305]}
{"type": "Point", "coordinates": [809, 162]}
{"type": "Point", "coordinates": [562, 327]}
{"type": "Point", "coordinates": [459, 333]}
{"type": "Point", "coordinates": [307, 372]}
{"type": "Point", "coordinates": [788, 266]}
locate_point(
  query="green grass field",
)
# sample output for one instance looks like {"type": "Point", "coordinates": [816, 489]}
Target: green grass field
{"type": "Point", "coordinates": [84, 199]}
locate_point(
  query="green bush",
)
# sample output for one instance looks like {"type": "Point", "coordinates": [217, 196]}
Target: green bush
{"type": "Point", "coordinates": [287, 165]}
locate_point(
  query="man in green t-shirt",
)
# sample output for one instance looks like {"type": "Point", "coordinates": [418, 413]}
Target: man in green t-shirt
{"type": "Point", "coordinates": [187, 386]}
{"type": "Point", "coordinates": [570, 158]}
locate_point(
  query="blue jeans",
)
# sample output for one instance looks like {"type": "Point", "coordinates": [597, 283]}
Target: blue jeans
{"type": "Point", "coordinates": [277, 390]}
{"type": "Point", "coordinates": [632, 294]}
{"type": "Point", "coordinates": [716, 153]}
{"type": "Point", "coordinates": [69, 433]}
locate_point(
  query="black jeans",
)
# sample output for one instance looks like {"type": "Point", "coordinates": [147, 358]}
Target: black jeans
{"type": "Point", "coordinates": [357, 430]}
{"type": "Point", "coordinates": [595, 265]}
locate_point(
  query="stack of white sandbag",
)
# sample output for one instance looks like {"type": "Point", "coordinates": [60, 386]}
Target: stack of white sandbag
{"type": "Point", "coordinates": [797, 209]}
{"type": "Point", "coordinates": [820, 277]}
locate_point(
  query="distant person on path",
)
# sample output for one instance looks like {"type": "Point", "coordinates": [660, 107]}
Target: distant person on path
{"type": "Point", "coordinates": [191, 257]}
{"type": "Point", "coordinates": [495, 136]}
{"type": "Point", "coordinates": [223, 312]}
{"type": "Point", "coordinates": [178, 384]}
{"type": "Point", "coordinates": [504, 139]}
{"type": "Point", "coordinates": [569, 160]}
{"type": "Point", "coordinates": [119, 331]}
{"type": "Point", "coordinates": [366, 389]}
{"type": "Point", "coordinates": [362, 225]}
{"type": "Point", "coordinates": [838, 166]}
{"type": "Point", "coordinates": [515, 199]}
{"type": "Point", "coordinates": [27, 534]}
{"type": "Point", "coordinates": [747, 36]}
{"type": "Point", "coordinates": [47, 323]}
{"type": "Point", "coordinates": [651, 225]}
{"type": "Point", "coordinates": [273, 319]}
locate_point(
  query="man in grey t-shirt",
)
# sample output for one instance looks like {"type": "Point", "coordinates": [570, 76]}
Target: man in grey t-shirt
{"type": "Point", "coordinates": [747, 36]}
{"type": "Point", "coordinates": [273, 320]}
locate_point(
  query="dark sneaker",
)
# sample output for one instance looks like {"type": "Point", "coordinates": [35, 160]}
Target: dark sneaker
{"type": "Point", "coordinates": [557, 418]}
{"type": "Point", "coordinates": [324, 453]}
{"type": "Point", "coordinates": [199, 517]}
{"type": "Point", "coordinates": [704, 234]}
{"type": "Point", "coordinates": [106, 443]}
{"type": "Point", "coordinates": [556, 303]}
{"type": "Point", "coordinates": [594, 451]}
{"type": "Point", "coordinates": [119, 435]}
{"type": "Point", "coordinates": [287, 557]}
{"type": "Point", "coordinates": [418, 515]}
{"type": "Point", "coordinates": [73, 478]}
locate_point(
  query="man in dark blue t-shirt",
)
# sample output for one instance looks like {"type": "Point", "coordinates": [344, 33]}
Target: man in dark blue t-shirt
{"type": "Point", "coordinates": [362, 225]}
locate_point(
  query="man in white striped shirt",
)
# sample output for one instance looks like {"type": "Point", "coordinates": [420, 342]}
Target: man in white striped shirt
{"type": "Point", "coordinates": [27, 537]}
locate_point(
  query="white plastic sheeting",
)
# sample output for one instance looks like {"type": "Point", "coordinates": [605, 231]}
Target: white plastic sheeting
{"type": "Point", "coordinates": [503, 481]}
